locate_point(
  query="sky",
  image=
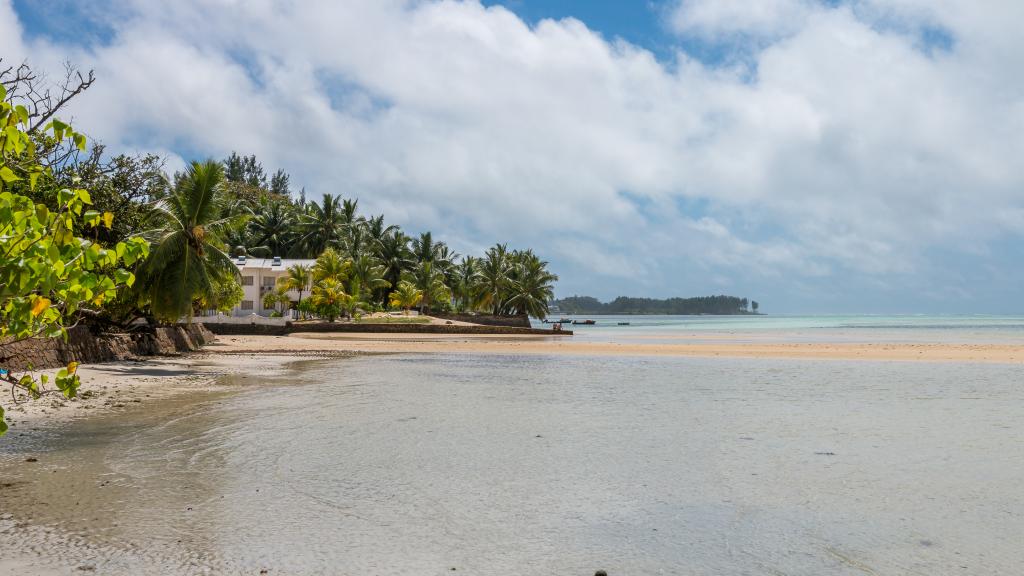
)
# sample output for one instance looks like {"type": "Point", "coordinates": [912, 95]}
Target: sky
{"type": "Point", "coordinates": [847, 156]}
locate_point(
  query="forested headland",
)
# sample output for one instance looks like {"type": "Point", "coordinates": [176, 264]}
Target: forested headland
{"type": "Point", "coordinates": [719, 305]}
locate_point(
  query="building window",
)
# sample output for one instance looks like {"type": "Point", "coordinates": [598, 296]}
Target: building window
{"type": "Point", "coordinates": [246, 304]}
{"type": "Point", "coordinates": [246, 280]}
{"type": "Point", "coordinates": [268, 281]}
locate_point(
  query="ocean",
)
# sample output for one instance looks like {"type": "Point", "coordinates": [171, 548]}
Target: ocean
{"type": "Point", "coordinates": [797, 328]}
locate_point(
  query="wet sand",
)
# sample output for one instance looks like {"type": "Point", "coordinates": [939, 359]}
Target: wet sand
{"type": "Point", "coordinates": [736, 347]}
{"type": "Point", "coordinates": [114, 386]}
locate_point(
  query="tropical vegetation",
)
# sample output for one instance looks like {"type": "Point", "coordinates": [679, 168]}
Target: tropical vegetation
{"type": "Point", "coordinates": [723, 305]}
{"type": "Point", "coordinates": [116, 242]}
{"type": "Point", "coordinates": [49, 276]}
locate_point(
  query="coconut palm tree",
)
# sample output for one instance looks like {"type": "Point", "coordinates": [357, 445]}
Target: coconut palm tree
{"type": "Point", "coordinates": [465, 281]}
{"type": "Point", "coordinates": [444, 261]}
{"type": "Point", "coordinates": [187, 256]}
{"type": "Point", "coordinates": [329, 298]}
{"type": "Point", "coordinates": [430, 281]}
{"type": "Point", "coordinates": [532, 287]}
{"type": "Point", "coordinates": [424, 249]}
{"type": "Point", "coordinates": [493, 278]}
{"type": "Point", "coordinates": [405, 296]}
{"type": "Point", "coordinates": [277, 298]}
{"type": "Point", "coordinates": [321, 227]}
{"type": "Point", "coordinates": [366, 275]}
{"type": "Point", "coordinates": [297, 278]}
{"type": "Point", "coordinates": [349, 210]}
{"type": "Point", "coordinates": [331, 265]}
{"type": "Point", "coordinates": [376, 230]}
{"type": "Point", "coordinates": [272, 228]}
{"type": "Point", "coordinates": [356, 241]}
{"type": "Point", "coordinates": [395, 256]}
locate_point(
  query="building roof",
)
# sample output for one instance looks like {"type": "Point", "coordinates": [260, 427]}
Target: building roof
{"type": "Point", "coordinates": [268, 263]}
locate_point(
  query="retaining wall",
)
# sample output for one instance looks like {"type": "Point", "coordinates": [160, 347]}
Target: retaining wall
{"type": "Point", "coordinates": [246, 329]}
{"type": "Point", "coordinates": [486, 319]}
{"type": "Point", "coordinates": [84, 346]}
{"type": "Point", "coordinates": [421, 329]}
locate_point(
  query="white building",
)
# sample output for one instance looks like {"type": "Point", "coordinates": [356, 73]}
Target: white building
{"type": "Point", "coordinates": [259, 276]}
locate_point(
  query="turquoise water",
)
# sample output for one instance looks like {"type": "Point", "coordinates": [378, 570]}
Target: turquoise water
{"type": "Point", "coordinates": [830, 328]}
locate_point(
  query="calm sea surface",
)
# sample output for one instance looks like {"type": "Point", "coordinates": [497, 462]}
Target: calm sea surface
{"type": "Point", "coordinates": [849, 328]}
{"type": "Point", "coordinates": [496, 465]}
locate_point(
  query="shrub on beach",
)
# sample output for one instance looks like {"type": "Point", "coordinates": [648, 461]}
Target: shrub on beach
{"type": "Point", "coordinates": [49, 276]}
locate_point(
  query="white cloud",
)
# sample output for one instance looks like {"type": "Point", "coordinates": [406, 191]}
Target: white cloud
{"type": "Point", "coordinates": [762, 18]}
{"type": "Point", "coordinates": [851, 149]}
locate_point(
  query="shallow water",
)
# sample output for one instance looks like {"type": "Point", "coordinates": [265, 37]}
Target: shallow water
{"type": "Point", "coordinates": [975, 329]}
{"type": "Point", "coordinates": [541, 465]}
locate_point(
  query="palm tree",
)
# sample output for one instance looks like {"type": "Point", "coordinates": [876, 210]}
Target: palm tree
{"type": "Point", "coordinates": [187, 256]}
{"type": "Point", "coordinates": [329, 298]}
{"type": "Point", "coordinates": [376, 230]}
{"type": "Point", "coordinates": [532, 288]}
{"type": "Point", "coordinates": [277, 298]}
{"type": "Point", "coordinates": [424, 249]}
{"type": "Point", "coordinates": [356, 241]}
{"type": "Point", "coordinates": [444, 261]}
{"type": "Point", "coordinates": [465, 277]}
{"type": "Point", "coordinates": [366, 274]}
{"type": "Point", "coordinates": [493, 278]}
{"type": "Point", "coordinates": [405, 296]}
{"type": "Point", "coordinates": [429, 280]}
{"type": "Point", "coordinates": [297, 278]}
{"type": "Point", "coordinates": [349, 208]}
{"type": "Point", "coordinates": [321, 226]}
{"type": "Point", "coordinates": [272, 228]}
{"type": "Point", "coordinates": [331, 265]}
{"type": "Point", "coordinates": [395, 256]}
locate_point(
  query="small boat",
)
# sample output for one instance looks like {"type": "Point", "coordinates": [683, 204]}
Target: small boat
{"type": "Point", "coordinates": [623, 323]}
{"type": "Point", "coordinates": [585, 322]}
{"type": "Point", "coordinates": [565, 320]}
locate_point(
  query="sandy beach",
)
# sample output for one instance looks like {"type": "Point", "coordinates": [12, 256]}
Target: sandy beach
{"type": "Point", "coordinates": [733, 347]}
{"type": "Point", "coordinates": [114, 386]}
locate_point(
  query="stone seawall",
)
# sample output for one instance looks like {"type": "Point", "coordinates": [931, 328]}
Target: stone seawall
{"type": "Point", "coordinates": [257, 329]}
{"type": "Point", "coordinates": [247, 329]}
{"type": "Point", "coordinates": [85, 347]}
{"type": "Point", "coordinates": [486, 319]}
{"type": "Point", "coordinates": [421, 329]}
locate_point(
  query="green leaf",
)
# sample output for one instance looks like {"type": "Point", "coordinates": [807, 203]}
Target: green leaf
{"type": "Point", "coordinates": [91, 218]}
{"type": "Point", "coordinates": [8, 175]}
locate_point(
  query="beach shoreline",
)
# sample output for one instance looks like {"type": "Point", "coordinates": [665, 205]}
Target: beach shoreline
{"type": "Point", "coordinates": [118, 385]}
{"type": "Point", "coordinates": [111, 386]}
{"type": "Point", "coordinates": [723, 347]}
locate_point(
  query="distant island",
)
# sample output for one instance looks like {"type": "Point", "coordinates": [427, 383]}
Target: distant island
{"type": "Point", "coordinates": [721, 305]}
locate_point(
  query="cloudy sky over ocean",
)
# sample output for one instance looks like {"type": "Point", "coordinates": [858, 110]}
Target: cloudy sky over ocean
{"type": "Point", "coordinates": [848, 156]}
